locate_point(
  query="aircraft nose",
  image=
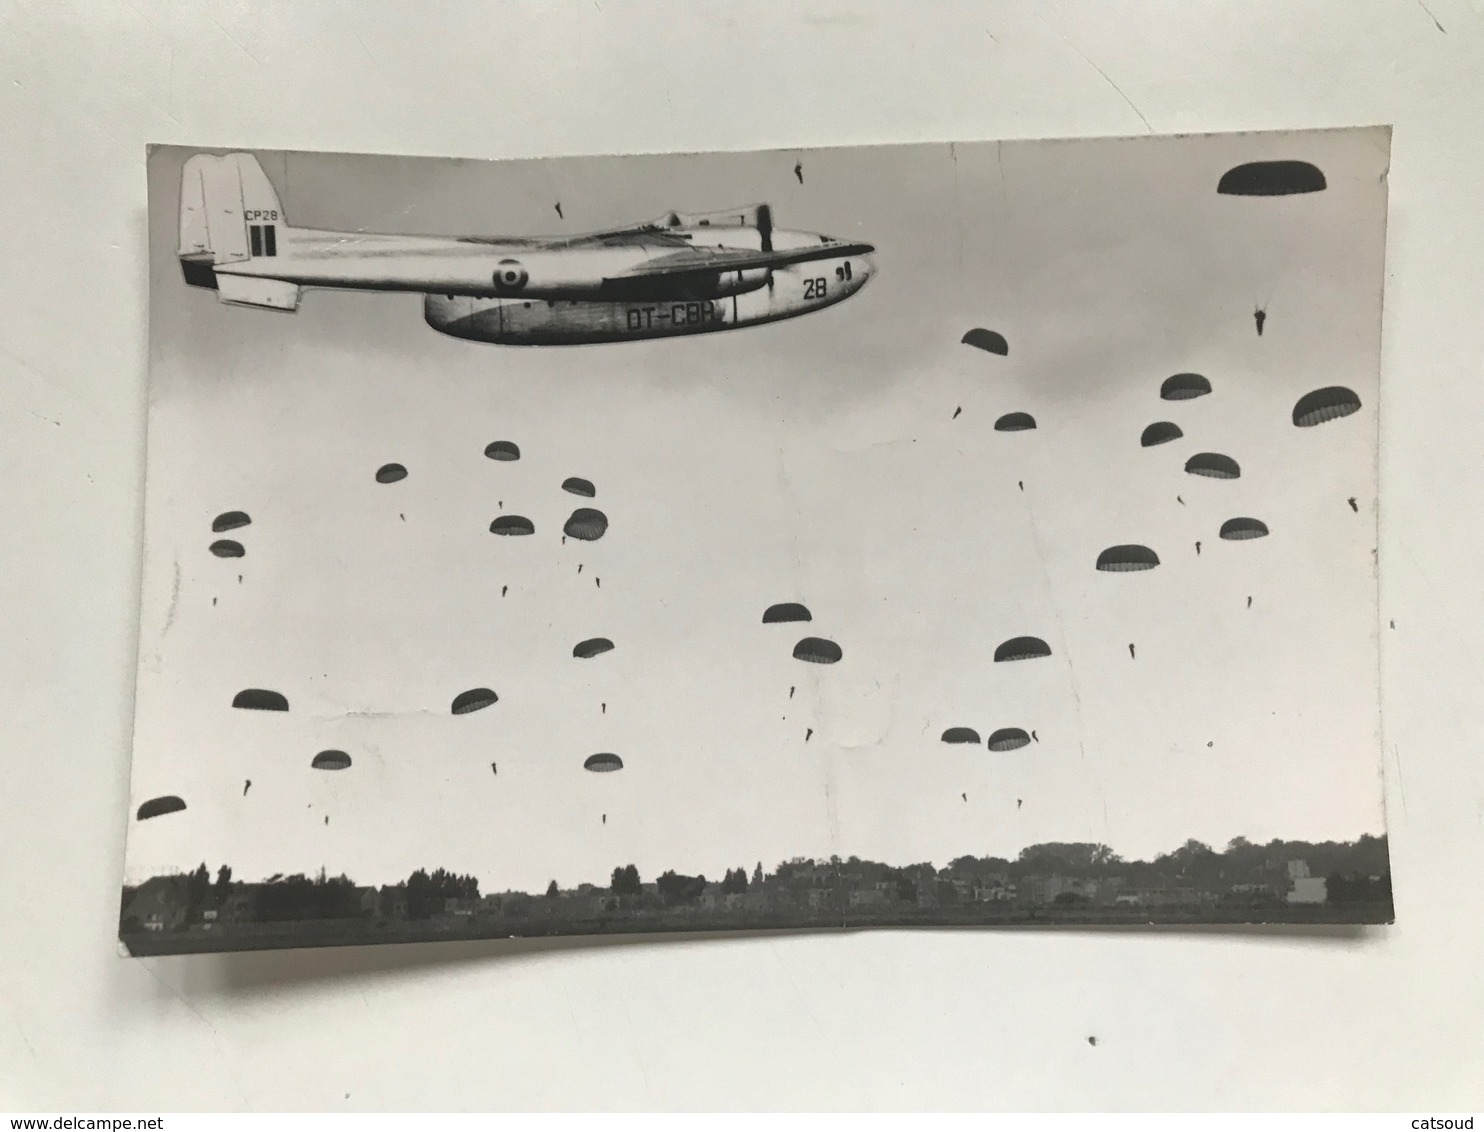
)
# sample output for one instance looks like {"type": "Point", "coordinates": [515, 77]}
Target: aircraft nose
{"type": "Point", "coordinates": [866, 268]}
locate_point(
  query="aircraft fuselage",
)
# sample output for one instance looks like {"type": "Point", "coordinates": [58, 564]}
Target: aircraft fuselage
{"type": "Point", "coordinates": [687, 273]}
{"type": "Point", "coordinates": [791, 291]}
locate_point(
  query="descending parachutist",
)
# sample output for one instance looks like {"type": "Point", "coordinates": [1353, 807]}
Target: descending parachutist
{"type": "Point", "coordinates": [1131, 655]}
{"type": "Point", "coordinates": [600, 582]}
{"type": "Point", "coordinates": [402, 516]}
{"type": "Point", "coordinates": [605, 819]}
{"type": "Point", "coordinates": [1249, 601]}
{"type": "Point", "coordinates": [965, 797]}
{"type": "Point", "coordinates": [494, 767]}
{"type": "Point", "coordinates": [1198, 546]}
{"type": "Point", "coordinates": [1259, 316]}
{"type": "Point", "coordinates": [1211, 744]}
{"type": "Point", "coordinates": [327, 819]}
{"type": "Point", "coordinates": [1393, 624]}
{"type": "Point", "coordinates": [1350, 501]}
{"type": "Point", "coordinates": [213, 601]}
{"type": "Point", "coordinates": [1019, 802]}
{"type": "Point", "coordinates": [559, 209]}
{"type": "Point", "coordinates": [1020, 484]}
{"type": "Point", "coordinates": [503, 589]}
{"type": "Point", "coordinates": [579, 567]}
{"type": "Point", "coordinates": [1180, 501]}
{"type": "Point", "coordinates": [808, 731]}
{"type": "Point", "coordinates": [956, 412]}
{"type": "Point", "coordinates": [799, 171]}
{"type": "Point", "coordinates": [246, 786]}
{"type": "Point", "coordinates": [790, 691]}
{"type": "Point", "coordinates": [239, 576]}
{"type": "Point", "coordinates": [605, 709]}
{"type": "Point", "coordinates": [1036, 737]}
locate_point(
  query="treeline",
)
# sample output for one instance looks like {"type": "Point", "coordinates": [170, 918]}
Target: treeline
{"type": "Point", "coordinates": [300, 897]}
{"type": "Point", "coordinates": [1195, 862]}
{"type": "Point", "coordinates": [1354, 871]}
{"type": "Point", "coordinates": [1347, 866]}
{"type": "Point", "coordinates": [426, 892]}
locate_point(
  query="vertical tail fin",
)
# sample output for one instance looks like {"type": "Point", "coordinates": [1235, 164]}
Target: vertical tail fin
{"type": "Point", "coordinates": [229, 213]}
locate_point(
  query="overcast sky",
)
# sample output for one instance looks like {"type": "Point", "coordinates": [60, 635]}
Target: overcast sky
{"type": "Point", "coordinates": [813, 460]}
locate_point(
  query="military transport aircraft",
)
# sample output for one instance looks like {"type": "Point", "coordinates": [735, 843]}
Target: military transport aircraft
{"type": "Point", "coordinates": [685, 273]}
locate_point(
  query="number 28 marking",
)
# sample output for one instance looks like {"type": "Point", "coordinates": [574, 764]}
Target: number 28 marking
{"type": "Point", "coordinates": [814, 288]}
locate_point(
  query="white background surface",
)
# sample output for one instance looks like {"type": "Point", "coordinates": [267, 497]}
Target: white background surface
{"type": "Point", "coordinates": [1384, 1018]}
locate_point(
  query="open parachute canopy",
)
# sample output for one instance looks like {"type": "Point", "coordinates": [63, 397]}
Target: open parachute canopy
{"type": "Point", "coordinates": [987, 340]}
{"type": "Point", "coordinates": [330, 760]}
{"type": "Point", "coordinates": [390, 473]}
{"type": "Point", "coordinates": [226, 548]}
{"type": "Point", "coordinates": [785, 611]}
{"type": "Point", "coordinates": [1271, 179]}
{"type": "Point", "coordinates": [1160, 432]}
{"type": "Point", "coordinates": [260, 699]}
{"type": "Point", "coordinates": [1184, 387]}
{"type": "Point", "coordinates": [817, 650]}
{"type": "Point", "coordinates": [576, 485]}
{"type": "Point", "coordinates": [595, 646]}
{"type": "Point", "coordinates": [602, 763]}
{"type": "Point", "coordinates": [156, 807]}
{"type": "Point", "coordinates": [502, 450]}
{"type": "Point", "coordinates": [961, 735]}
{"type": "Point", "coordinates": [512, 525]}
{"type": "Point", "coordinates": [1008, 739]}
{"type": "Point", "coordinates": [1213, 465]}
{"type": "Point", "coordinates": [1243, 528]}
{"type": "Point", "coordinates": [1015, 422]}
{"type": "Point", "coordinates": [230, 521]}
{"type": "Point", "coordinates": [1022, 648]}
{"type": "Point", "coordinates": [1127, 559]}
{"type": "Point", "coordinates": [473, 700]}
{"type": "Point", "coordinates": [586, 523]}
{"type": "Point", "coordinates": [1327, 404]}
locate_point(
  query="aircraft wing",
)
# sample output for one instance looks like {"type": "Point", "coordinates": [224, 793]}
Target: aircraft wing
{"type": "Point", "coordinates": [692, 260]}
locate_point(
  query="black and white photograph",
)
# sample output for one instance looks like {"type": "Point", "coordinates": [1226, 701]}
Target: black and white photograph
{"type": "Point", "coordinates": [960, 534]}
{"type": "Point", "coordinates": [791, 559]}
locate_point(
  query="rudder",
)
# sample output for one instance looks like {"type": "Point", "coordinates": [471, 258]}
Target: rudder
{"type": "Point", "coordinates": [229, 213]}
{"type": "Point", "coordinates": [228, 209]}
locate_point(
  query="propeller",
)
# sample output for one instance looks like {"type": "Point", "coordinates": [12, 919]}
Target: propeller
{"type": "Point", "coordinates": [765, 226]}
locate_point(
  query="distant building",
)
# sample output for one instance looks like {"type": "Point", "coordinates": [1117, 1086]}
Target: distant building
{"type": "Point", "coordinates": [158, 905]}
{"type": "Point", "coordinates": [816, 876]}
{"type": "Point", "coordinates": [1045, 889]}
{"type": "Point", "coordinates": [868, 897]}
{"type": "Point", "coordinates": [367, 898]}
{"type": "Point", "coordinates": [393, 901]}
{"type": "Point", "coordinates": [1298, 870]}
{"type": "Point", "coordinates": [713, 899]}
{"type": "Point", "coordinates": [1308, 890]}
{"type": "Point", "coordinates": [238, 907]}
